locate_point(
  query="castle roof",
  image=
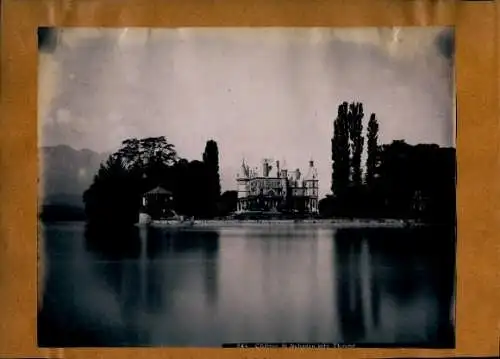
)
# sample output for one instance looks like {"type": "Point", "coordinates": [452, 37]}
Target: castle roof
{"type": "Point", "coordinates": [312, 172]}
{"type": "Point", "coordinates": [159, 190]}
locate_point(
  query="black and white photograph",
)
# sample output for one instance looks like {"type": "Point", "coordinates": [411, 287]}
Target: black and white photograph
{"type": "Point", "coordinates": [211, 187]}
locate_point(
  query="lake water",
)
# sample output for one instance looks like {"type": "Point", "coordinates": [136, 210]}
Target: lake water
{"type": "Point", "coordinates": [173, 287]}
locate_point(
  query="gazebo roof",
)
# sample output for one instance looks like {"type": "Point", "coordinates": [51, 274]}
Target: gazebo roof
{"type": "Point", "coordinates": [159, 190]}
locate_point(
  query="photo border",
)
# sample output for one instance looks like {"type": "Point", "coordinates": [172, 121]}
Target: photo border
{"type": "Point", "coordinates": [476, 59]}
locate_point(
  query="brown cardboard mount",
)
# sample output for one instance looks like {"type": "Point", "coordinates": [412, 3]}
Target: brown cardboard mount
{"type": "Point", "coordinates": [478, 253]}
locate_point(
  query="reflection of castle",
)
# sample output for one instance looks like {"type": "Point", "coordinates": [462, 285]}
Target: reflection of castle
{"type": "Point", "coordinates": [279, 193]}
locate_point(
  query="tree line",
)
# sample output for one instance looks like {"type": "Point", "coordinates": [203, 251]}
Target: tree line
{"type": "Point", "coordinates": [142, 164]}
{"type": "Point", "coordinates": [400, 180]}
{"type": "Point", "coordinates": [397, 180]}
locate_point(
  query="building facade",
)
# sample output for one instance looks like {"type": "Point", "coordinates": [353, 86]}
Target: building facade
{"type": "Point", "coordinates": [157, 203]}
{"type": "Point", "coordinates": [280, 191]}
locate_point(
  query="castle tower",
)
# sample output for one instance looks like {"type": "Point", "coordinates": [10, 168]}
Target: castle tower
{"type": "Point", "coordinates": [311, 184]}
{"type": "Point", "coordinates": [242, 186]}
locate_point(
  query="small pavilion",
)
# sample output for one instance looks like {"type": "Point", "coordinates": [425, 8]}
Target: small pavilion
{"type": "Point", "coordinates": [157, 202]}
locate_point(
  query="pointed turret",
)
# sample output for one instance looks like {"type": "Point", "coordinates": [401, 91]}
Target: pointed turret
{"type": "Point", "coordinates": [312, 172]}
{"type": "Point", "coordinates": [245, 170]}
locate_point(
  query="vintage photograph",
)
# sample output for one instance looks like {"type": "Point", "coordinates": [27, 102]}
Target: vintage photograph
{"type": "Point", "coordinates": [200, 187]}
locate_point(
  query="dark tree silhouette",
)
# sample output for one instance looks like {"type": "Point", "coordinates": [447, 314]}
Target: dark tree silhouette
{"type": "Point", "coordinates": [152, 157]}
{"type": "Point", "coordinates": [372, 150]}
{"type": "Point", "coordinates": [139, 165]}
{"type": "Point", "coordinates": [326, 206]}
{"type": "Point", "coordinates": [396, 178]}
{"type": "Point", "coordinates": [198, 190]}
{"type": "Point", "coordinates": [191, 190]}
{"type": "Point", "coordinates": [181, 187]}
{"type": "Point", "coordinates": [211, 161]}
{"type": "Point", "coordinates": [115, 194]}
{"type": "Point", "coordinates": [340, 152]}
{"type": "Point", "coordinates": [402, 181]}
{"type": "Point", "coordinates": [347, 148]}
{"type": "Point", "coordinates": [418, 182]}
{"type": "Point", "coordinates": [227, 203]}
{"type": "Point", "coordinates": [356, 140]}
{"type": "Point", "coordinates": [143, 154]}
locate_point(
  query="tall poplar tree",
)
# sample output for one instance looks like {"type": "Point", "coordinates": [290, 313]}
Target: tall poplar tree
{"type": "Point", "coordinates": [372, 149]}
{"type": "Point", "coordinates": [211, 161]}
{"type": "Point", "coordinates": [356, 141]}
{"type": "Point", "coordinates": [340, 152]}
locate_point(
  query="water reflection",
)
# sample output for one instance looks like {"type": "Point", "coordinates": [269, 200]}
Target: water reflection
{"type": "Point", "coordinates": [393, 288]}
{"type": "Point", "coordinates": [161, 286]}
{"type": "Point", "coordinates": [147, 268]}
{"type": "Point", "coordinates": [178, 245]}
{"type": "Point", "coordinates": [283, 275]}
{"type": "Point", "coordinates": [348, 278]}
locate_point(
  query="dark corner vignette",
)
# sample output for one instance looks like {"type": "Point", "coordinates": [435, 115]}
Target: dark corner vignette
{"type": "Point", "coordinates": [47, 39]}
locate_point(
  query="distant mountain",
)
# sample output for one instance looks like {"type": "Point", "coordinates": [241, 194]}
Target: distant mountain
{"type": "Point", "coordinates": [65, 173]}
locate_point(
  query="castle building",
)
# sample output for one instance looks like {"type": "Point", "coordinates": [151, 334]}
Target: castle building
{"type": "Point", "coordinates": [280, 191]}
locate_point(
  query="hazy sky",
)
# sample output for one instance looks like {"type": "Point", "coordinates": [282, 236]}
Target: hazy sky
{"type": "Point", "coordinates": [268, 92]}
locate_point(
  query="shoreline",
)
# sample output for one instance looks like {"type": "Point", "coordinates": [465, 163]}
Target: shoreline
{"type": "Point", "coordinates": [327, 223]}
